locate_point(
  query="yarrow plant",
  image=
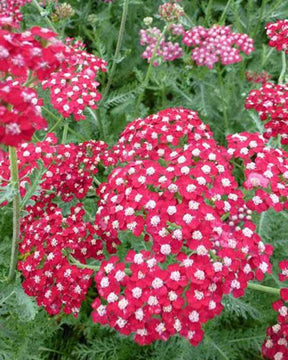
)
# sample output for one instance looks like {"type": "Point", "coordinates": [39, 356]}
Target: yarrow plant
{"type": "Point", "coordinates": [218, 43]}
{"type": "Point", "coordinates": [155, 230]}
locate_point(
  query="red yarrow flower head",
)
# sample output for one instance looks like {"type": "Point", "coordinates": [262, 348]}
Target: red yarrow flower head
{"type": "Point", "coordinates": [10, 15]}
{"type": "Point", "coordinates": [278, 35]}
{"type": "Point", "coordinates": [271, 105]}
{"type": "Point", "coordinates": [20, 111]}
{"type": "Point", "coordinates": [174, 189]}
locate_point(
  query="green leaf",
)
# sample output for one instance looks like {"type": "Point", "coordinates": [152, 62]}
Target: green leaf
{"type": "Point", "coordinates": [7, 193]}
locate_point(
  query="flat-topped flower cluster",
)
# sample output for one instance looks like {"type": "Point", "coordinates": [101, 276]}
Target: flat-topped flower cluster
{"type": "Point", "coordinates": [171, 186]}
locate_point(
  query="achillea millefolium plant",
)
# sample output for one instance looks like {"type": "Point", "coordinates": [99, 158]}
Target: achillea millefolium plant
{"type": "Point", "coordinates": [143, 180]}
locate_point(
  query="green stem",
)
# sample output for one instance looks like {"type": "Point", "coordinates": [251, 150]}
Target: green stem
{"type": "Point", "coordinates": [223, 97]}
{"type": "Point", "coordinates": [55, 126]}
{"type": "Point", "coordinates": [42, 13]}
{"type": "Point", "coordinates": [65, 132]}
{"type": "Point", "coordinates": [97, 182]}
{"type": "Point", "coordinates": [148, 73]}
{"type": "Point", "coordinates": [118, 48]}
{"type": "Point", "coordinates": [97, 118]}
{"type": "Point", "coordinates": [95, 268]}
{"type": "Point", "coordinates": [266, 289]}
{"type": "Point", "coordinates": [81, 138]}
{"type": "Point", "coordinates": [16, 212]}
{"type": "Point", "coordinates": [283, 71]}
{"type": "Point", "coordinates": [208, 12]}
{"type": "Point", "coordinates": [50, 113]}
{"type": "Point", "coordinates": [224, 12]}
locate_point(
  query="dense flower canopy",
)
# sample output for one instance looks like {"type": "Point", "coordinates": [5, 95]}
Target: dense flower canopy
{"type": "Point", "coordinates": [178, 194]}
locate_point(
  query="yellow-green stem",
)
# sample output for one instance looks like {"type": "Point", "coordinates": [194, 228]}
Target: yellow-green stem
{"type": "Point", "coordinates": [148, 73]}
{"type": "Point", "coordinates": [222, 19]}
{"type": "Point", "coordinates": [266, 289]}
{"type": "Point", "coordinates": [95, 268]}
{"type": "Point", "coordinates": [65, 132]}
{"type": "Point", "coordinates": [281, 80]}
{"type": "Point", "coordinates": [223, 97]}
{"type": "Point", "coordinates": [42, 13]}
{"type": "Point", "coordinates": [118, 48]}
{"type": "Point", "coordinates": [16, 213]}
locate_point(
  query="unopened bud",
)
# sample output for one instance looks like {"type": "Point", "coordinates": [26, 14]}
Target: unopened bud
{"type": "Point", "coordinates": [171, 12]}
{"type": "Point", "coordinates": [65, 11]}
{"type": "Point", "coordinates": [148, 21]}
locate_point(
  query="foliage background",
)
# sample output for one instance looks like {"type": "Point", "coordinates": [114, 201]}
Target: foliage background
{"type": "Point", "coordinates": [26, 331]}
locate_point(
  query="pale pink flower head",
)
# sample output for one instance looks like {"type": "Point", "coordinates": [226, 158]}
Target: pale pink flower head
{"type": "Point", "coordinates": [256, 180]}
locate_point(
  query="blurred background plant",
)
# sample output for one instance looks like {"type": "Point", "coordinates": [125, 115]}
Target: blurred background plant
{"type": "Point", "coordinates": [110, 30]}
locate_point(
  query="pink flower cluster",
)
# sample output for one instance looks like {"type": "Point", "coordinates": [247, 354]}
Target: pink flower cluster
{"type": "Point", "coordinates": [217, 43]}
{"type": "Point", "coordinates": [49, 237]}
{"type": "Point", "coordinates": [152, 138]}
{"type": "Point", "coordinates": [172, 186]}
{"type": "Point", "coordinates": [10, 15]}
{"type": "Point", "coordinates": [275, 346]}
{"type": "Point", "coordinates": [167, 51]}
{"type": "Point", "coordinates": [278, 35]}
{"type": "Point", "coordinates": [73, 86]}
{"type": "Point", "coordinates": [36, 50]}
{"type": "Point", "coordinates": [265, 170]}
{"type": "Point", "coordinates": [184, 202]}
{"type": "Point", "coordinates": [271, 104]}
{"type": "Point", "coordinates": [70, 168]}
{"type": "Point", "coordinates": [66, 69]}
{"type": "Point", "coordinates": [20, 113]}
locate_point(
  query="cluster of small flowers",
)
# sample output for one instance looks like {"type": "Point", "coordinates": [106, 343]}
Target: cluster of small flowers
{"type": "Point", "coordinates": [20, 113]}
{"type": "Point", "coordinates": [278, 35]}
{"type": "Point", "coordinates": [265, 170]}
{"type": "Point", "coordinates": [270, 101]}
{"type": "Point", "coordinates": [10, 15]}
{"type": "Point", "coordinates": [177, 29]}
{"type": "Point", "coordinates": [216, 43]}
{"type": "Point", "coordinates": [157, 135]}
{"type": "Point", "coordinates": [166, 51]}
{"type": "Point", "coordinates": [149, 301]}
{"type": "Point", "coordinates": [275, 346]}
{"type": "Point", "coordinates": [184, 201]}
{"type": "Point", "coordinates": [73, 87]}
{"type": "Point", "coordinates": [48, 238]}
{"type": "Point", "coordinates": [71, 70]}
{"type": "Point", "coordinates": [36, 50]}
{"type": "Point", "coordinates": [70, 168]}
{"type": "Point", "coordinates": [257, 78]}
